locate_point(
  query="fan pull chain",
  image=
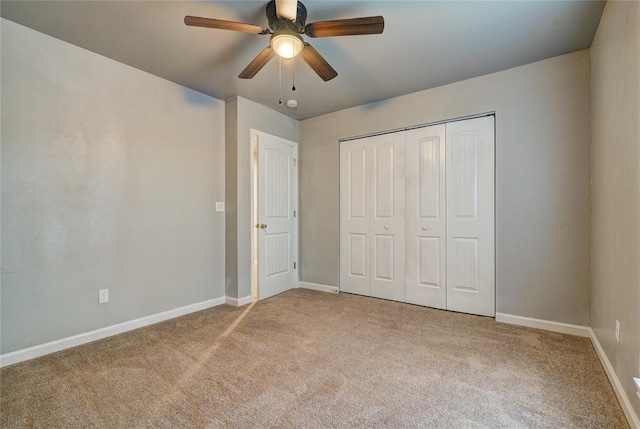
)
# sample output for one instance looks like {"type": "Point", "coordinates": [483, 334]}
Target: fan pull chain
{"type": "Point", "coordinates": [280, 80]}
{"type": "Point", "coordinates": [293, 66]}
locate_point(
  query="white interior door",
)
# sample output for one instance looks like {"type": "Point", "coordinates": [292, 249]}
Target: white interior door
{"type": "Point", "coordinates": [276, 218]}
{"type": "Point", "coordinates": [355, 216]}
{"type": "Point", "coordinates": [470, 216]}
{"type": "Point", "coordinates": [426, 216]}
{"type": "Point", "coordinates": [387, 221]}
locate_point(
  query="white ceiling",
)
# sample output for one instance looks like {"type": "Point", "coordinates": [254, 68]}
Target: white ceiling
{"type": "Point", "coordinates": [425, 43]}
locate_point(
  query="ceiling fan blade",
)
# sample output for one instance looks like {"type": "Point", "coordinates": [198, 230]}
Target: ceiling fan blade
{"type": "Point", "coordinates": [346, 27]}
{"type": "Point", "coordinates": [287, 9]}
{"type": "Point", "coordinates": [317, 63]}
{"type": "Point", "coordinates": [257, 63]}
{"type": "Point", "coordinates": [196, 21]}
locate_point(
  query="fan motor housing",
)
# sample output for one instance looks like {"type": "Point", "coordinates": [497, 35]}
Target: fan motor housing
{"type": "Point", "coordinates": [276, 23]}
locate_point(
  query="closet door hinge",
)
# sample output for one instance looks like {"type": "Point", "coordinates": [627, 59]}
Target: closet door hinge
{"type": "Point", "coordinates": [294, 213]}
{"type": "Point", "coordinates": [295, 162]}
{"type": "Point", "coordinates": [294, 265]}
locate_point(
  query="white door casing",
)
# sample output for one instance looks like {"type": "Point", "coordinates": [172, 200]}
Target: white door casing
{"type": "Point", "coordinates": [470, 216]}
{"type": "Point", "coordinates": [426, 216]}
{"type": "Point", "coordinates": [277, 250]}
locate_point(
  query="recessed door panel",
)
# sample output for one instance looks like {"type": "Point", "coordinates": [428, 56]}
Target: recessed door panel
{"type": "Point", "coordinates": [429, 178]}
{"type": "Point", "coordinates": [384, 180]}
{"type": "Point", "coordinates": [278, 254]}
{"type": "Point", "coordinates": [357, 252]}
{"type": "Point", "coordinates": [465, 264]}
{"type": "Point", "coordinates": [277, 185]}
{"type": "Point", "coordinates": [357, 198]}
{"type": "Point", "coordinates": [384, 257]}
{"type": "Point", "coordinates": [429, 262]}
{"type": "Point", "coordinates": [465, 174]}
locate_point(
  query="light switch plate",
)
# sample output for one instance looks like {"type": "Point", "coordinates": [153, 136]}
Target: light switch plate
{"type": "Point", "coordinates": [219, 206]}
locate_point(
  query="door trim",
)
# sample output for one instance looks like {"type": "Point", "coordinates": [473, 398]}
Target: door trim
{"type": "Point", "coordinates": [413, 127]}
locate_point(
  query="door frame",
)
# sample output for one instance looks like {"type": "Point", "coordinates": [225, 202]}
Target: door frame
{"type": "Point", "coordinates": [254, 138]}
{"type": "Point", "coordinates": [428, 124]}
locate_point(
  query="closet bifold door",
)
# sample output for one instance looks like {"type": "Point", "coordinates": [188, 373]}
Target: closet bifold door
{"type": "Point", "coordinates": [387, 220]}
{"type": "Point", "coordinates": [470, 216]}
{"type": "Point", "coordinates": [372, 227]}
{"type": "Point", "coordinates": [355, 216]}
{"type": "Point", "coordinates": [426, 216]}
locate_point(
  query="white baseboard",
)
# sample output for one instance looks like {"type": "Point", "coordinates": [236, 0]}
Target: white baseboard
{"type": "Point", "coordinates": [87, 337]}
{"type": "Point", "coordinates": [238, 302]}
{"type": "Point", "coordinates": [547, 325]}
{"type": "Point", "coordinates": [316, 286]}
{"type": "Point", "coordinates": [582, 331]}
{"type": "Point", "coordinates": [625, 403]}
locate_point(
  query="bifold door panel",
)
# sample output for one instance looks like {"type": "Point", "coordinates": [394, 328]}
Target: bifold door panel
{"type": "Point", "coordinates": [355, 217]}
{"type": "Point", "coordinates": [470, 216]}
{"type": "Point", "coordinates": [426, 221]}
{"type": "Point", "coordinates": [372, 217]}
{"type": "Point", "coordinates": [387, 221]}
{"type": "Point", "coordinates": [417, 216]}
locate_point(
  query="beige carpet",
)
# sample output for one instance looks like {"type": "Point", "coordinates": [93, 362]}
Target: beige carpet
{"type": "Point", "coordinates": [311, 359]}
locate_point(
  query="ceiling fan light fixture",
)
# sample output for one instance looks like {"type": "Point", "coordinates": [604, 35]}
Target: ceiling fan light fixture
{"type": "Point", "coordinates": [287, 45]}
{"type": "Point", "coordinates": [287, 22]}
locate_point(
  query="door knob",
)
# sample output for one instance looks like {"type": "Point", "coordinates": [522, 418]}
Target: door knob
{"type": "Point", "coordinates": [424, 228]}
{"type": "Point", "coordinates": [263, 226]}
{"type": "Point", "coordinates": [386, 227]}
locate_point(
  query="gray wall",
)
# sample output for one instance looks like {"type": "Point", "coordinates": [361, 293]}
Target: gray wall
{"type": "Point", "coordinates": [615, 252]}
{"type": "Point", "coordinates": [249, 115]}
{"type": "Point", "coordinates": [542, 179]}
{"type": "Point", "coordinates": [109, 180]}
{"type": "Point", "coordinates": [231, 197]}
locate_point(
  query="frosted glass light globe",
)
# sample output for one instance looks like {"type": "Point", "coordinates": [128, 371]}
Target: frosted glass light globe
{"type": "Point", "coordinates": [287, 45]}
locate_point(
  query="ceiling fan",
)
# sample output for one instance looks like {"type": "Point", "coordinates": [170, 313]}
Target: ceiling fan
{"type": "Point", "coordinates": [287, 22]}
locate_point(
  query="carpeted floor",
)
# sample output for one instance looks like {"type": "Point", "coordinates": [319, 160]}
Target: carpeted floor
{"type": "Point", "coordinates": [306, 359]}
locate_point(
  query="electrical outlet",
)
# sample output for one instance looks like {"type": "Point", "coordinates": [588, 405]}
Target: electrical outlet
{"type": "Point", "coordinates": [103, 296]}
{"type": "Point", "coordinates": [617, 331]}
{"type": "Point", "coordinates": [220, 206]}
